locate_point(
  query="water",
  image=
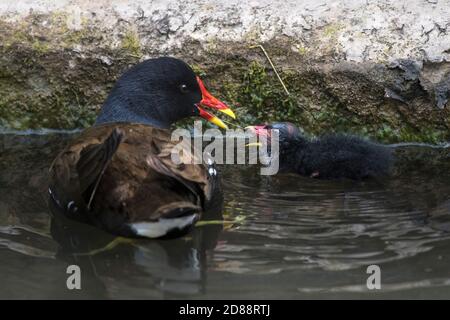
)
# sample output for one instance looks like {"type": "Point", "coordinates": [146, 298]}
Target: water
{"type": "Point", "coordinates": [299, 237]}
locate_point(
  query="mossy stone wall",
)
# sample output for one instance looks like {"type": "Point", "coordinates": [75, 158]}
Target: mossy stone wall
{"type": "Point", "coordinates": [57, 66]}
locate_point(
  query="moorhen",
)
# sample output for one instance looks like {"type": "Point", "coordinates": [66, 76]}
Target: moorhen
{"type": "Point", "coordinates": [331, 156]}
{"type": "Point", "coordinates": [118, 174]}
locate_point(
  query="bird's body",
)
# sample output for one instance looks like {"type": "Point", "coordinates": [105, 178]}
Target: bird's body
{"type": "Point", "coordinates": [331, 156]}
{"type": "Point", "coordinates": [342, 156]}
{"type": "Point", "coordinates": [119, 175]}
{"type": "Point", "coordinates": [132, 188]}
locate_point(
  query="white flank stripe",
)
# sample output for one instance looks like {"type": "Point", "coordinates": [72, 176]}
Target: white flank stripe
{"type": "Point", "coordinates": [162, 226]}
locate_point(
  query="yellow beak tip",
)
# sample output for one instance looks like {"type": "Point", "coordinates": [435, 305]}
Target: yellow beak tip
{"type": "Point", "coordinates": [218, 123]}
{"type": "Point", "coordinates": [254, 144]}
{"type": "Point", "coordinates": [228, 112]}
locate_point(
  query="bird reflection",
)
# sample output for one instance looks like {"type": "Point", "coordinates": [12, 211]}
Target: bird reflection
{"type": "Point", "coordinates": [152, 268]}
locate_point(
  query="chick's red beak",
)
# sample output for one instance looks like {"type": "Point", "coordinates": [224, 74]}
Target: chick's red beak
{"type": "Point", "coordinates": [260, 130]}
{"type": "Point", "coordinates": [209, 101]}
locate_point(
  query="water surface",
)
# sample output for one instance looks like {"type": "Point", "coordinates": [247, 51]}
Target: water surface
{"type": "Point", "coordinates": [299, 237]}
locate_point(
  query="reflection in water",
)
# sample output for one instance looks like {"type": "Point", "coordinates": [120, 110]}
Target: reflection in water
{"type": "Point", "coordinates": [301, 238]}
{"type": "Point", "coordinates": [158, 269]}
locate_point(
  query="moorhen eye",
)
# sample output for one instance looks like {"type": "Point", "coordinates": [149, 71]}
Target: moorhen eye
{"type": "Point", "coordinates": [183, 88]}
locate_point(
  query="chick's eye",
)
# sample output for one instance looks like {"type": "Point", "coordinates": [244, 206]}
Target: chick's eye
{"type": "Point", "coordinates": [183, 88]}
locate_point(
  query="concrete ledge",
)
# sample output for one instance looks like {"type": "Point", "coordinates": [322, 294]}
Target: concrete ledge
{"type": "Point", "coordinates": [380, 68]}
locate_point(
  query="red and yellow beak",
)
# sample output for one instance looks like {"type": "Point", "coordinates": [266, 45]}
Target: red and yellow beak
{"type": "Point", "coordinates": [260, 130]}
{"type": "Point", "coordinates": [209, 101]}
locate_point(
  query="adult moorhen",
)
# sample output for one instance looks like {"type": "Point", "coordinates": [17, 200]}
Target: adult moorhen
{"type": "Point", "coordinates": [331, 156]}
{"type": "Point", "coordinates": [118, 175]}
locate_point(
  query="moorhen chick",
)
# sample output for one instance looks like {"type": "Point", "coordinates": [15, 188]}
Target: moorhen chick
{"type": "Point", "coordinates": [118, 174]}
{"type": "Point", "coordinates": [331, 156]}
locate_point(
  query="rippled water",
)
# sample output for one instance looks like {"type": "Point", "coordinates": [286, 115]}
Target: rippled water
{"type": "Point", "coordinates": [297, 237]}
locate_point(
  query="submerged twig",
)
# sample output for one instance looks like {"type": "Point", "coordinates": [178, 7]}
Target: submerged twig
{"type": "Point", "coordinates": [238, 219]}
{"type": "Point", "coordinates": [111, 245]}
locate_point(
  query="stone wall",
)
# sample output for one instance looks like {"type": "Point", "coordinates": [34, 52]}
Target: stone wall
{"type": "Point", "coordinates": [379, 68]}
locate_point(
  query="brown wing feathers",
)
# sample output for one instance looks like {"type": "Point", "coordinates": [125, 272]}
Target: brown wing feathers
{"type": "Point", "coordinates": [93, 161]}
{"type": "Point", "coordinates": [130, 151]}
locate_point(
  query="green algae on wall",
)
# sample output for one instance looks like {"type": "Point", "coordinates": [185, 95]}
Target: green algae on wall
{"type": "Point", "coordinates": [131, 43]}
{"type": "Point", "coordinates": [260, 98]}
{"type": "Point", "coordinates": [53, 76]}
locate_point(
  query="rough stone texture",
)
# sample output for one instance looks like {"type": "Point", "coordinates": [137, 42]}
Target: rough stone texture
{"type": "Point", "coordinates": [380, 68]}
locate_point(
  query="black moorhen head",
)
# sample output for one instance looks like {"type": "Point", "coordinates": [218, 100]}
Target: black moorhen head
{"type": "Point", "coordinates": [119, 175]}
{"type": "Point", "coordinates": [159, 92]}
{"type": "Point", "coordinates": [330, 156]}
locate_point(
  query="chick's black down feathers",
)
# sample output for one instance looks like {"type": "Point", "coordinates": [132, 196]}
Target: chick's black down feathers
{"type": "Point", "coordinates": [342, 156]}
{"type": "Point", "coordinates": [331, 156]}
